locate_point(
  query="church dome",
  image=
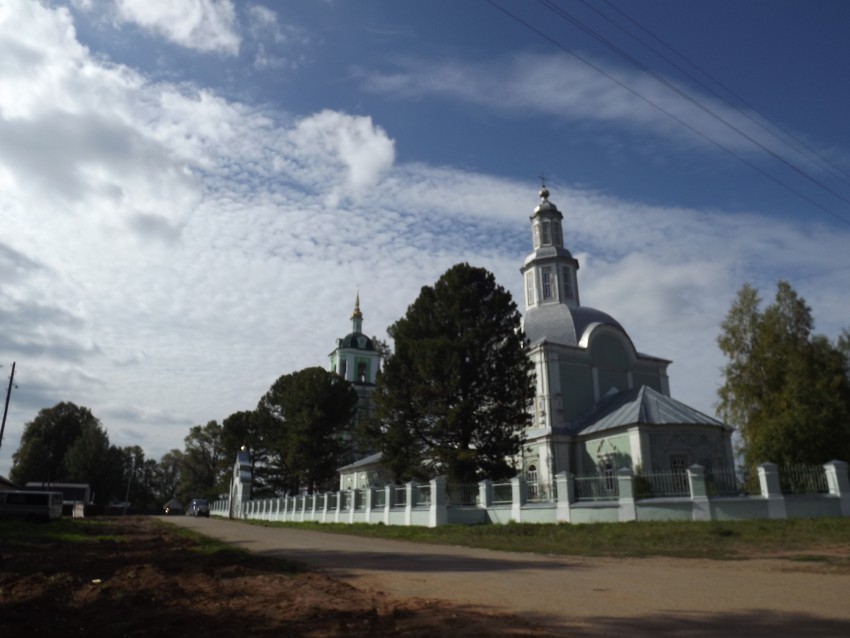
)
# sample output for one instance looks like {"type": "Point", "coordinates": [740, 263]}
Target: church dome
{"type": "Point", "coordinates": [357, 341]}
{"type": "Point", "coordinates": [563, 324]}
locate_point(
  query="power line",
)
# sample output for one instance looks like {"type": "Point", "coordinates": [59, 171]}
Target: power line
{"type": "Point", "coordinates": [811, 154]}
{"type": "Point", "coordinates": [640, 96]}
{"type": "Point", "coordinates": [680, 92]}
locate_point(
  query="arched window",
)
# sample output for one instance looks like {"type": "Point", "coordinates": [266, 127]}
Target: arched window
{"type": "Point", "coordinates": [532, 483]}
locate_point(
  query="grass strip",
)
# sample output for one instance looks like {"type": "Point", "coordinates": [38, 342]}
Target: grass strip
{"type": "Point", "coordinates": [721, 540]}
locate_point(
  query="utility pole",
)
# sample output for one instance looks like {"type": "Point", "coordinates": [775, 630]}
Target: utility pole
{"type": "Point", "coordinates": [8, 395]}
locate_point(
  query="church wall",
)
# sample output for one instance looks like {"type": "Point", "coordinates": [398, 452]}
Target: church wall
{"type": "Point", "coordinates": [702, 446]}
{"type": "Point", "coordinates": [576, 390]}
{"type": "Point", "coordinates": [609, 351]}
{"type": "Point", "coordinates": [595, 454]}
{"type": "Point", "coordinates": [612, 378]}
{"type": "Point", "coordinates": [648, 379]}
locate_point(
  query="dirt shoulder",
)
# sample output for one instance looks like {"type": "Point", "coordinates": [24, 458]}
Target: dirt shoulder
{"type": "Point", "coordinates": [154, 582]}
{"type": "Point", "coordinates": [575, 596]}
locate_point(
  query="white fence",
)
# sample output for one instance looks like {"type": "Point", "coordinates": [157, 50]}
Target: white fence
{"type": "Point", "coordinates": [691, 495]}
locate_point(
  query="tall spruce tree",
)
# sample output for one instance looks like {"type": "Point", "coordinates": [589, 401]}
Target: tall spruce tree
{"type": "Point", "coordinates": [786, 390]}
{"type": "Point", "coordinates": [305, 419]}
{"type": "Point", "coordinates": [453, 397]}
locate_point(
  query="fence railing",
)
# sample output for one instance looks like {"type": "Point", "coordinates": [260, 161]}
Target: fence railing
{"type": "Point", "coordinates": [379, 498]}
{"type": "Point", "coordinates": [421, 495]}
{"type": "Point", "coordinates": [400, 497]}
{"type": "Point", "coordinates": [502, 493]}
{"type": "Point", "coordinates": [597, 488]}
{"type": "Point", "coordinates": [724, 482]}
{"type": "Point", "coordinates": [660, 484]}
{"type": "Point", "coordinates": [462, 494]}
{"type": "Point", "coordinates": [802, 479]}
{"type": "Point", "coordinates": [540, 493]}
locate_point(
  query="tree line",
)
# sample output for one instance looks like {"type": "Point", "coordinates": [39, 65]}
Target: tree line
{"type": "Point", "coordinates": [452, 398]}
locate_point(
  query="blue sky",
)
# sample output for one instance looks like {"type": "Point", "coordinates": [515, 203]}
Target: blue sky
{"type": "Point", "coordinates": [192, 192]}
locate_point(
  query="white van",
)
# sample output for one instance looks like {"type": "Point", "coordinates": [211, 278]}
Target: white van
{"type": "Point", "coordinates": [30, 506]}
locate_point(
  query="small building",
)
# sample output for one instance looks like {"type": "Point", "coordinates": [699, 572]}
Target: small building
{"type": "Point", "coordinates": [365, 472]}
{"type": "Point", "coordinates": [6, 485]}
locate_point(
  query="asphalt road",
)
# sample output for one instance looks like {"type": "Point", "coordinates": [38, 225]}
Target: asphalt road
{"type": "Point", "coordinates": [583, 596]}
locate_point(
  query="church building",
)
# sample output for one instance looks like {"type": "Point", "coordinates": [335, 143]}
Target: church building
{"type": "Point", "coordinates": [356, 359]}
{"type": "Point", "coordinates": [600, 404]}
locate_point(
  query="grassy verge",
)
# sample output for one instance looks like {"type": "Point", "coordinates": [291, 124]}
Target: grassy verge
{"type": "Point", "coordinates": [81, 531]}
{"type": "Point", "coordinates": [63, 530]}
{"type": "Point", "coordinates": [716, 540]}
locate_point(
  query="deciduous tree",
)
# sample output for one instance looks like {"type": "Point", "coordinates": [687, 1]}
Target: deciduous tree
{"type": "Point", "coordinates": [201, 466]}
{"type": "Point", "coordinates": [786, 390]}
{"type": "Point", "coordinates": [66, 443]}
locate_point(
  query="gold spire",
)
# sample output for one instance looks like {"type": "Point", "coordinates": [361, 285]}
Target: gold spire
{"type": "Point", "coordinates": [357, 314]}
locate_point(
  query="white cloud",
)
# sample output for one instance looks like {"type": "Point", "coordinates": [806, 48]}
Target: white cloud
{"type": "Point", "coordinates": [208, 26]}
{"type": "Point", "coordinates": [560, 86]}
{"type": "Point", "coordinates": [175, 251]}
{"type": "Point", "coordinates": [330, 138]}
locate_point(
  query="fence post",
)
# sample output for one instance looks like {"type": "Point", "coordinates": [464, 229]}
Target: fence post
{"type": "Point", "coordinates": [352, 505]}
{"type": "Point", "coordinates": [389, 495]}
{"type": "Point", "coordinates": [369, 494]}
{"type": "Point", "coordinates": [839, 483]}
{"type": "Point", "coordinates": [339, 499]}
{"type": "Point", "coordinates": [438, 514]}
{"type": "Point", "coordinates": [565, 495]}
{"type": "Point", "coordinates": [700, 506]}
{"type": "Point", "coordinates": [772, 490]}
{"type": "Point", "coordinates": [485, 493]}
{"type": "Point", "coordinates": [625, 483]}
{"type": "Point", "coordinates": [519, 497]}
{"type": "Point", "coordinates": [410, 488]}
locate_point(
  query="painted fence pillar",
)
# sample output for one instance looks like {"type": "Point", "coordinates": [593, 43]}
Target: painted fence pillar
{"type": "Point", "coordinates": [438, 512]}
{"type": "Point", "coordinates": [369, 498]}
{"type": "Point", "coordinates": [352, 504]}
{"type": "Point", "coordinates": [410, 488]}
{"type": "Point", "coordinates": [389, 495]}
{"type": "Point", "coordinates": [625, 483]}
{"type": "Point", "coordinates": [772, 490]}
{"type": "Point", "coordinates": [839, 483]}
{"type": "Point", "coordinates": [485, 493]}
{"type": "Point", "coordinates": [519, 497]}
{"type": "Point", "coordinates": [701, 508]}
{"type": "Point", "coordinates": [340, 496]}
{"type": "Point", "coordinates": [565, 491]}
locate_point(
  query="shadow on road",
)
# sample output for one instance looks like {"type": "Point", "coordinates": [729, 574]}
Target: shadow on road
{"type": "Point", "coordinates": [753, 624]}
{"type": "Point", "coordinates": [346, 563]}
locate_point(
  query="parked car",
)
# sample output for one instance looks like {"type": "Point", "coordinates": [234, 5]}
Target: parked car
{"type": "Point", "coordinates": [198, 507]}
{"type": "Point", "coordinates": [173, 507]}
